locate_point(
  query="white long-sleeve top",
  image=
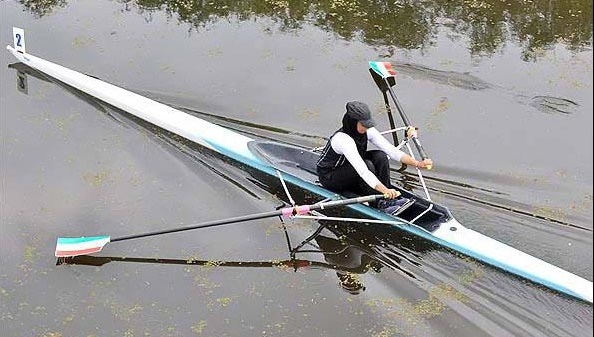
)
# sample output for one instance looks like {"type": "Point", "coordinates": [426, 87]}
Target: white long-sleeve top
{"type": "Point", "coordinates": [343, 144]}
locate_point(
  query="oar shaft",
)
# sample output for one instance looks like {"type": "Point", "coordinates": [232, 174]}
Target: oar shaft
{"type": "Point", "coordinates": [202, 225]}
{"type": "Point", "coordinates": [406, 121]}
{"type": "Point", "coordinates": [288, 211]}
{"type": "Point", "coordinates": [390, 118]}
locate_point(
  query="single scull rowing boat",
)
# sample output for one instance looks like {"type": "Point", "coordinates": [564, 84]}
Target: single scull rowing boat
{"type": "Point", "coordinates": [423, 217]}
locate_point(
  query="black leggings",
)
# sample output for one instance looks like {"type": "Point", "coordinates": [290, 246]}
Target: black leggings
{"type": "Point", "coordinates": [345, 178]}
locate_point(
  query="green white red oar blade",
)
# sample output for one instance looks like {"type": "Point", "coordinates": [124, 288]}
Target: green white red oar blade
{"type": "Point", "coordinates": [383, 69]}
{"type": "Point", "coordinates": [68, 247]}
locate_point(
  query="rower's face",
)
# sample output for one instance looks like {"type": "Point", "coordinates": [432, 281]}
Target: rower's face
{"type": "Point", "coordinates": [361, 128]}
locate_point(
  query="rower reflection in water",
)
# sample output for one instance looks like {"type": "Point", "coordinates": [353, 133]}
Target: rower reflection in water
{"type": "Point", "coordinates": [350, 261]}
{"type": "Point", "coordinates": [347, 166]}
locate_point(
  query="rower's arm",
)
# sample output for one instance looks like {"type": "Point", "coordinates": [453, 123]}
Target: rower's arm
{"type": "Point", "coordinates": [376, 138]}
{"type": "Point", "coordinates": [408, 160]}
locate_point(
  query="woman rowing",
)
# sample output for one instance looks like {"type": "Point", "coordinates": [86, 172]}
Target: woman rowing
{"type": "Point", "coordinates": [347, 165]}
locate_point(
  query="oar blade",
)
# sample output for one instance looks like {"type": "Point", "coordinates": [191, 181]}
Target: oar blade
{"type": "Point", "coordinates": [383, 75]}
{"type": "Point", "coordinates": [383, 69]}
{"type": "Point", "coordinates": [68, 247]}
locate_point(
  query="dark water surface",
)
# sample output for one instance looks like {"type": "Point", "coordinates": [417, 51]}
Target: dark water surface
{"type": "Point", "coordinates": [502, 93]}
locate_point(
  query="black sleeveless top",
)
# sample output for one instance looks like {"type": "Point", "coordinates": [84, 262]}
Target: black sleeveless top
{"type": "Point", "coordinates": [329, 160]}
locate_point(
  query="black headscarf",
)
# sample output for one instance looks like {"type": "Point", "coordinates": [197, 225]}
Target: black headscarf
{"type": "Point", "coordinates": [349, 126]}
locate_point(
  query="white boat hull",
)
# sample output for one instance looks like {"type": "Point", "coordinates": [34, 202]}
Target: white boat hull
{"type": "Point", "coordinates": [234, 145]}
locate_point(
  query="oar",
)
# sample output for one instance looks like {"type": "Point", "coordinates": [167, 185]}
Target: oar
{"type": "Point", "coordinates": [68, 247]}
{"type": "Point", "coordinates": [383, 74]}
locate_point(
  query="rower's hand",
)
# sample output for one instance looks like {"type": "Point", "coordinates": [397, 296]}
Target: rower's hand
{"type": "Point", "coordinates": [391, 193]}
{"type": "Point", "coordinates": [425, 164]}
{"type": "Point", "coordinates": [411, 132]}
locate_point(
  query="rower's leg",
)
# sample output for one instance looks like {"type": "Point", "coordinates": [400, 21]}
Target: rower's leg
{"type": "Point", "coordinates": [381, 165]}
{"type": "Point", "coordinates": [341, 179]}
